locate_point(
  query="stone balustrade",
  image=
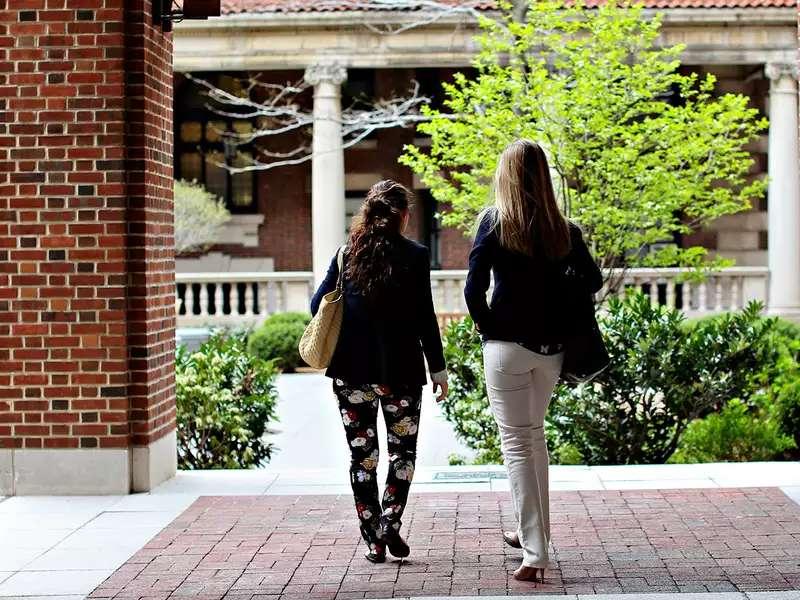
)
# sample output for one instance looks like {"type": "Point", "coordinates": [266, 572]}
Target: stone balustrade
{"type": "Point", "coordinates": [239, 299]}
{"type": "Point", "coordinates": [242, 299]}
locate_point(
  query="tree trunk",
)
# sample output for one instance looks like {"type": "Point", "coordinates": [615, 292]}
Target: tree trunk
{"type": "Point", "coordinates": [519, 10]}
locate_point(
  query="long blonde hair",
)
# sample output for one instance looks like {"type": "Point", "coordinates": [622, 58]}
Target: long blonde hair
{"type": "Point", "coordinates": [527, 215]}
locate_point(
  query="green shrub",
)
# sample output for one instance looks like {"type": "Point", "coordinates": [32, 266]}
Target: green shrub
{"type": "Point", "coordinates": [566, 454]}
{"type": "Point", "coordinates": [736, 433]}
{"type": "Point", "coordinates": [466, 405]}
{"type": "Point", "coordinates": [664, 374]}
{"type": "Point", "coordinates": [790, 333]}
{"type": "Point", "coordinates": [225, 398]}
{"type": "Point", "coordinates": [781, 379]}
{"type": "Point", "coordinates": [455, 460]}
{"type": "Point", "coordinates": [788, 408]}
{"type": "Point", "coordinates": [277, 339]}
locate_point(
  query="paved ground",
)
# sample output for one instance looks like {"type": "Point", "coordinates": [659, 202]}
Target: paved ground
{"type": "Point", "coordinates": [61, 548]}
{"type": "Point", "coordinates": [285, 547]}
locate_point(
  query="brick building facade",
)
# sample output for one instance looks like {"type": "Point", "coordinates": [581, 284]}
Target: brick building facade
{"type": "Point", "coordinates": [86, 248]}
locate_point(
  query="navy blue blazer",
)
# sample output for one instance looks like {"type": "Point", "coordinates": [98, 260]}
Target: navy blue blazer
{"type": "Point", "coordinates": [384, 342]}
{"type": "Point", "coordinates": [529, 303]}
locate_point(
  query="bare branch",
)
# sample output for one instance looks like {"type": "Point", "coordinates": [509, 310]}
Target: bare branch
{"type": "Point", "coordinates": [278, 111]}
{"type": "Point", "coordinates": [420, 12]}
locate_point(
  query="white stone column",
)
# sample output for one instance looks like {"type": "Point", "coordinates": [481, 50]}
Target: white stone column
{"type": "Point", "coordinates": [784, 192]}
{"type": "Point", "coordinates": [327, 165]}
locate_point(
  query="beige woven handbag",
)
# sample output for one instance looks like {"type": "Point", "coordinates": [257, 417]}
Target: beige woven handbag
{"type": "Point", "coordinates": [319, 339]}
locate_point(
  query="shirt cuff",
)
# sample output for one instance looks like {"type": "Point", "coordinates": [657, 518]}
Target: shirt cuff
{"type": "Point", "coordinates": [439, 376]}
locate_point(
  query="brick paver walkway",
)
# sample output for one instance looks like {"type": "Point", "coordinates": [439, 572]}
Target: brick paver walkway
{"type": "Point", "coordinates": [286, 547]}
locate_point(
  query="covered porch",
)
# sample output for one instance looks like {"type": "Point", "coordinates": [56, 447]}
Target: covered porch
{"type": "Point", "coordinates": [751, 49]}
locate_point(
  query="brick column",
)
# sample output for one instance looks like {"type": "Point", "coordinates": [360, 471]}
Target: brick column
{"type": "Point", "coordinates": [86, 249]}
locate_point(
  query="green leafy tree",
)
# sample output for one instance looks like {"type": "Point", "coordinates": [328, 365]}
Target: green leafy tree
{"type": "Point", "coordinates": [641, 150]}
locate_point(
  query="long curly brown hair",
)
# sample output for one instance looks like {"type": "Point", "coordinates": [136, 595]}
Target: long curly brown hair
{"type": "Point", "coordinates": [373, 234]}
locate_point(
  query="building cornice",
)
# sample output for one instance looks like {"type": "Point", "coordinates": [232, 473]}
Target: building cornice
{"type": "Point", "coordinates": [267, 41]}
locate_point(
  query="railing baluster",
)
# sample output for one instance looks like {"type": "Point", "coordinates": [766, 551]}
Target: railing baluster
{"type": "Point", "coordinates": [203, 299]}
{"type": "Point", "coordinates": [284, 304]}
{"type": "Point", "coordinates": [451, 288]}
{"type": "Point", "coordinates": [248, 299]}
{"type": "Point", "coordinates": [738, 283]}
{"type": "Point", "coordinates": [261, 298]}
{"type": "Point", "coordinates": [218, 301]}
{"type": "Point", "coordinates": [269, 298]}
{"type": "Point", "coordinates": [670, 283]}
{"type": "Point", "coordinates": [702, 297]}
{"type": "Point", "coordinates": [235, 299]}
{"type": "Point", "coordinates": [686, 296]}
{"type": "Point", "coordinates": [717, 283]}
{"type": "Point", "coordinates": [189, 301]}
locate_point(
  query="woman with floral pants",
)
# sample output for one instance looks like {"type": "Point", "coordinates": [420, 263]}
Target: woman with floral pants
{"type": "Point", "coordinates": [389, 331]}
{"type": "Point", "coordinates": [401, 411]}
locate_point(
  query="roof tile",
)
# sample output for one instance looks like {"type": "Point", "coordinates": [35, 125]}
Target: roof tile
{"type": "Point", "coordinates": [230, 7]}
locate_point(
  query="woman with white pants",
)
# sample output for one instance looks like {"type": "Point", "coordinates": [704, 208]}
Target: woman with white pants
{"type": "Point", "coordinates": [527, 244]}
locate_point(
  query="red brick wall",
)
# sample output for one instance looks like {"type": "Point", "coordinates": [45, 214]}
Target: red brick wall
{"type": "Point", "coordinates": [285, 202]}
{"type": "Point", "coordinates": [150, 248]}
{"type": "Point", "coordinates": [85, 225]}
{"type": "Point", "coordinates": [455, 248]}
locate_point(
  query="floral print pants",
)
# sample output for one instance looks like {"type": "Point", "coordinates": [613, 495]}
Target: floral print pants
{"type": "Point", "coordinates": [358, 404]}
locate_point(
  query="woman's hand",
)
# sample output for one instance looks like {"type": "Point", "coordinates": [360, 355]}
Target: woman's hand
{"type": "Point", "coordinates": [439, 381]}
{"type": "Point", "coordinates": [441, 388]}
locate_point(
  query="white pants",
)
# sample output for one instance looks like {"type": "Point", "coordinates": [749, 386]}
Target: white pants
{"type": "Point", "coordinates": [519, 384]}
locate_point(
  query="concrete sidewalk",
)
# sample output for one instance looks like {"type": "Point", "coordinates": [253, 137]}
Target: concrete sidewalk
{"type": "Point", "coordinates": [66, 546]}
{"type": "Point", "coordinates": [309, 434]}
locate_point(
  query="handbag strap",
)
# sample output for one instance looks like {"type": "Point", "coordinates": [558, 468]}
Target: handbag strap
{"type": "Point", "coordinates": [340, 264]}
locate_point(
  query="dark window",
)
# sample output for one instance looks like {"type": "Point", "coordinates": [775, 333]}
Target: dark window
{"type": "Point", "coordinates": [359, 87]}
{"type": "Point", "coordinates": [358, 92]}
{"type": "Point", "coordinates": [431, 82]}
{"type": "Point", "coordinates": [208, 144]}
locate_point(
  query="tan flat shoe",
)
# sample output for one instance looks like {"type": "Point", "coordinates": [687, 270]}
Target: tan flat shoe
{"type": "Point", "coordinates": [534, 574]}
